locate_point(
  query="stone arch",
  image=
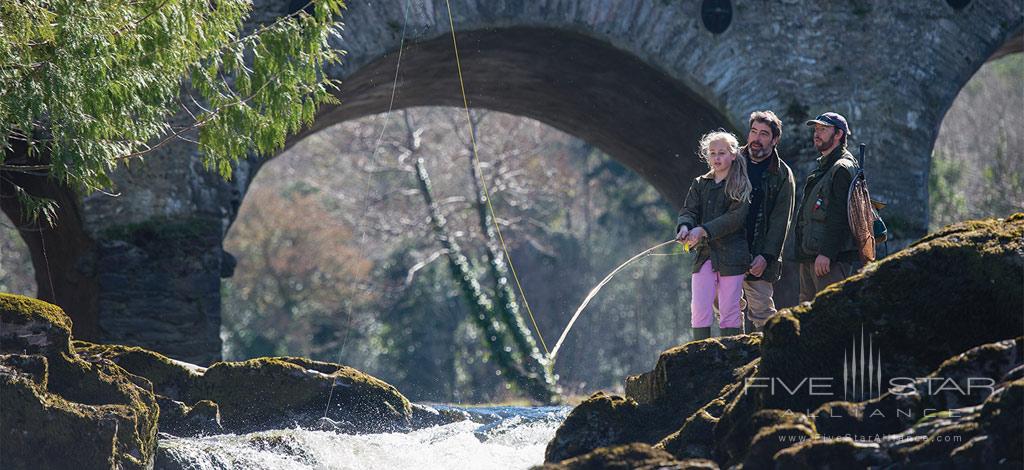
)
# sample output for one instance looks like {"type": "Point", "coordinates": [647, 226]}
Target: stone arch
{"type": "Point", "coordinates": [651, 124]}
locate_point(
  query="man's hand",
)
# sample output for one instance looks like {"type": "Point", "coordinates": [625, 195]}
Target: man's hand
{"type": "Point", "coordinates": [682, 233]}
{"type": "Point", "coordinates": [758, 266]}
{"type": "Point", "coordinates": [695, 235]}
{"type": "Point", "coordinates": [822, 265]}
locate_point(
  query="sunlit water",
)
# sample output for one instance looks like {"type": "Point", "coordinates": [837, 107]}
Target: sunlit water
{"type": "Point", "coordinates": [497, 438]}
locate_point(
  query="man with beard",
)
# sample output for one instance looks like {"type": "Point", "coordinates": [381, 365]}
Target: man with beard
{"type": "Point", "coordinates": [771, 211]}
{"type": "Point", "coordinates": [825, 247]}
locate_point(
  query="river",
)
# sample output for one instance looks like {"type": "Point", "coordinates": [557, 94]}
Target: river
{"type": "Point", "coordinates": [496, 438]}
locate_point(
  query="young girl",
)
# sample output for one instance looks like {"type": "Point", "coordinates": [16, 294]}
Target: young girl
{"type": "Point", "coordinates": [712, 222]}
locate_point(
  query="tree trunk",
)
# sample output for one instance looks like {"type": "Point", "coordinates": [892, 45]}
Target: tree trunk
{"type": "Point", "coordinates": [481, 308]}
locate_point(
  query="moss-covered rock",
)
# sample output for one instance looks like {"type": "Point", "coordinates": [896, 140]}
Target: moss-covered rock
{"type": "Point", "coordinates": [769, 440]}
{"type": "Point", "coordinates": [271, 393]}
{"type": "Point", "coordinates": [942, 295]}
{"type": "Point", "coordinates": [32, 326]}
{"type": "Point", "coordinates": [906, 315]}
{"type": "Point", "coordinates": [601, 420]}
{"type": "Point", "coordinates": [675, 405]}
{"type": "Point", "coordinates": [628, 457]}
{"type": "Point", "coordinates": [179, 419]}
{"type": "Point", "coordinates": [688, 376]}
{"type": "Point", "coordinates": [173, 379]}
{"type": "Point", "coordinates": [696, 438]}
{"type": "Point", "coordinates": [1001, 434]}
{"type": "Point", "coordinates": [60, 411]}
{"type": "Point", "coordinates": [962, 381]}
{"type": "Point", "coordinates": [832, 454]}
{"type": "Point", "coordinates": [736, 436]}
{"type": "Point", "coordinates": [260, 394]}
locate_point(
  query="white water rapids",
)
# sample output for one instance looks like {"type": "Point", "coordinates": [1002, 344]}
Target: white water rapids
{"type": "Point", "coordinates": [497, 438]}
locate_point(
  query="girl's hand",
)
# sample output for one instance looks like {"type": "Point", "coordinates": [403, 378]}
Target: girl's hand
{"type": "Point", "coordinates": [695, 236]}
{"type": "Point", "coordinates": [682, 233]}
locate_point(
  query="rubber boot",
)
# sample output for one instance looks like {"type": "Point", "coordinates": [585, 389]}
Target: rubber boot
{"type": "Point", "coordinates": [748, 326]}
{"type": "Point", "coordinates": [731, 331]}
{"type": "Point", "coordinates": [701, 333]}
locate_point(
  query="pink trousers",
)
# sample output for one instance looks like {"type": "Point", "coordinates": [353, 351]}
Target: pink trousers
{"type": "Point", "coordinates": [704, 285]}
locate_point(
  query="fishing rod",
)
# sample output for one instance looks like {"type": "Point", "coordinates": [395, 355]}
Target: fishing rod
{"type": "Point", "coordinates": [595, 290]}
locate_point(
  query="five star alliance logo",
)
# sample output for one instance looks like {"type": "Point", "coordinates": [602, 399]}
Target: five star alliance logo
{"type": "Point", "coordinates": [862, 370]}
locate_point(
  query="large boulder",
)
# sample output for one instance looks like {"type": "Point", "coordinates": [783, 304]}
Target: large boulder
{"type": "Point", "coordinates": [658, 402]}
{"type": "Point", "coordinates": [907, 349]}
{"type": "Point", "coordinates": [59, 411]}
{"type": "Point", "coordinates": [69, 403]}
{"type": "Point", "coordinates": [261, 394]}
{"type": "Point", "coordinates": [182, 411]}
{"type": "Point", "coordinates": [599, 421]}
{"type": "Point", "coordinates": [944, 294]}
{"type": "Point", "coordinates": [688, 376]}
{"type": "Point", "coordinates": [271, 393]}
{"type": "Point", "coordinates": [897, 320]}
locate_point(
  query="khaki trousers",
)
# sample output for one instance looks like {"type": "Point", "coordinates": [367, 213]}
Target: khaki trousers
{"type": "Point", "coordinates": [811, 284]}
{"type": "Point", "coordinates": [760, 304]}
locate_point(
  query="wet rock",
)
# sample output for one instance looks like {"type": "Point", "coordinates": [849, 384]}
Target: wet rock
{"type": "Point", "coordinates": [628, 457]}
{"type": "Point", "coordinates": [696, 438]}
{"type": "Point", "coordinates": [689, 376]}
{"type": "Point", "coordinates": [962, 381]}
{"type": "Point", "coordinates": [70, 404]}
{"type": "Point", "coordinates": [658, 403]}
{"type": "Point", "coordinates": [271, 393]}
{"type": "Point", "coordinates": [179, 419]}
{"type": "Point", "coordinates": [262, 394]}
{"type": "Point", "coordinates": [601, 420]}
{"type": "Point", "coordinates": [60, 411]}
{"type": "Point", "coordinates": [424, 416]}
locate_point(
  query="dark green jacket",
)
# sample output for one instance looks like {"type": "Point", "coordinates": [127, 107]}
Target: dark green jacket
{"type": "Point", "coordinates": [775, 214]}
{"type": "Point", "coordinates": [822, 224]}
{"type": "Point", "coordinates": [723, 219]}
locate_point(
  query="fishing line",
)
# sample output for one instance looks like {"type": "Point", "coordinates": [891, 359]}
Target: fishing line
{"type": "Point", "coordinates": [46, 261]}
{"type": "Point", "coordinates": [596, 289]}
{"type": "Point", "coordinates": [483, 185]}
{"type": "Point", "coordinates": [373, 155]}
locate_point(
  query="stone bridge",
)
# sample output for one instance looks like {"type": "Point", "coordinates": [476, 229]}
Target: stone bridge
{"type": "Point", "coordinates": [641, 79]}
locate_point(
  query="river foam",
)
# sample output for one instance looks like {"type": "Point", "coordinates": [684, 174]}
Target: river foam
{"type": "Point", "coordinates": [497, 438]}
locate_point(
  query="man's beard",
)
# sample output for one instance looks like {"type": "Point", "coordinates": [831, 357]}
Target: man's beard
{"type": "Point", "coordinates": [761, 154]}
{"type": "Point", "coordinates": [826, 144]}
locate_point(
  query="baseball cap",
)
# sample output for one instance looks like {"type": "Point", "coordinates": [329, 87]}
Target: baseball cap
{"type": "Point", "coordinates": [831, 119]}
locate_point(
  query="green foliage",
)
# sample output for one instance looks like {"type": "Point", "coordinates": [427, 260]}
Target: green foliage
{"type": "Point", "coordinates": [16, 273]}
{"type": "Point", "coordinates": [977, 160]}
{"type": "Point", "coordinates": [85, 85]}
{"type": "Point", "coordinates": [948, 203]}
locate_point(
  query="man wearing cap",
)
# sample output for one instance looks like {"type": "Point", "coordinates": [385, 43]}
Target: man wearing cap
{"type": "Point", "coordinates": [824, 243]}
{"type": "Point", "coordinates": [771, 212]}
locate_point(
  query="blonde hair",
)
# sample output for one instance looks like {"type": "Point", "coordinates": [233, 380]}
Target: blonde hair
{"type": "Point", "coordinates": [737, 185]}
